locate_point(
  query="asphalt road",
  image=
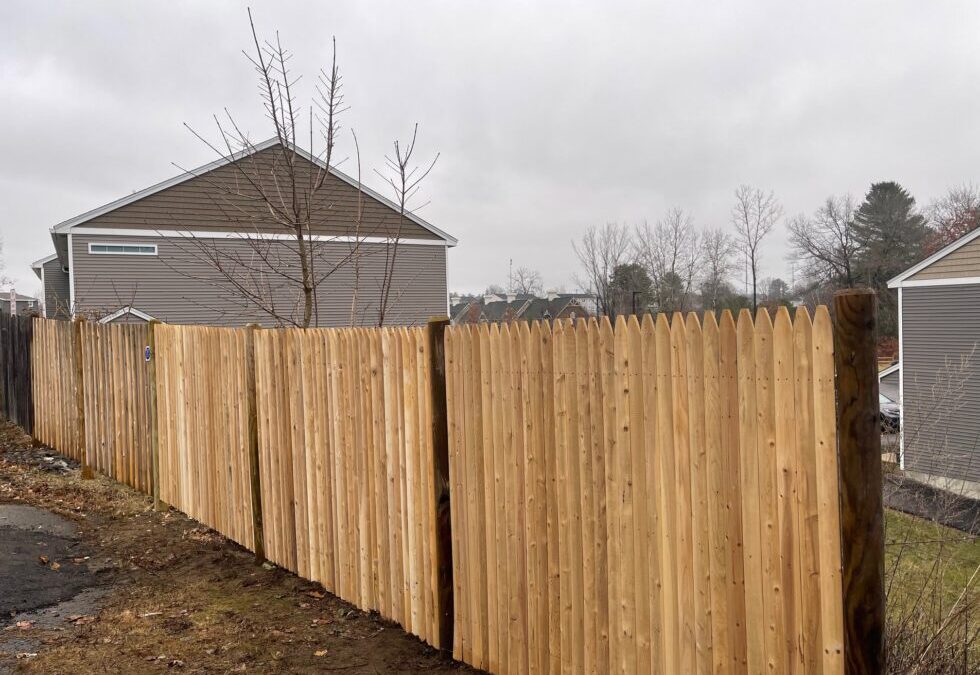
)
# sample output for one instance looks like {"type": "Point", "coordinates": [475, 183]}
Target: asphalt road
{"type": "Point", "coordinates": [37, 554]}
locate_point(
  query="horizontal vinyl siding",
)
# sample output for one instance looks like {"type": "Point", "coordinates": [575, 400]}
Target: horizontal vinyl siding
{"type": "Point", "coordinates": [225, 199]}
{"type": "Point", "coordinates": [941, 380]}
{"type": "Point", "coordinates": [180, 286]}
{"type": "Point", "coordinates": [57, 301]}
{"type": "Point", "coordinates": [963, 262]}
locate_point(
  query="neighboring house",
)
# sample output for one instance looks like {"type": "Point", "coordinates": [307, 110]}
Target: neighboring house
{"type": "Point", "coordinates": [939, 365]}
{"type": "Point", "coordinates": [513, 307]}
{"type": "Point", "coordinates": [54, 280]}
{"type": "Point", "coordinates": [156, 253]}
{"type": "Point", "coordinates": [24, 304]}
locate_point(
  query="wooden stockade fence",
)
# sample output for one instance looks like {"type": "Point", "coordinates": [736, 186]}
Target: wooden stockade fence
{"type": "Point", "coordinates": [55, 380]}
{"type": "Point", "coordinates": [202, 411]}
{"type": "Point", "coordinates": [115, 392]}
{"type": "Point", "coordinates": [346, 466]}
{"type": "Point", "coordinates": [661, 497]}
{"type": "Point", "coordinates": [658, 496]}
{"type": "Point", "coordinates": [16, 389]}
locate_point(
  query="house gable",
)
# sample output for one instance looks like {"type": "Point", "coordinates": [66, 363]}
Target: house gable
{"type": "Point", "coordinates": [962, 263]}
{"type": "Point", "coordinates": [957, 263]}
{"type": "Point", "coordinates": [224, 197]}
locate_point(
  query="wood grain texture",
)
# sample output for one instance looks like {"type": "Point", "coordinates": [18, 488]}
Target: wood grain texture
{"type": "Point", "coordinates": [859, 451]}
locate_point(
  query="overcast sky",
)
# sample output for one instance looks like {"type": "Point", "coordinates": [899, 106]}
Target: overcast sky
{"type": "Point", "coordinates": [549, 116]}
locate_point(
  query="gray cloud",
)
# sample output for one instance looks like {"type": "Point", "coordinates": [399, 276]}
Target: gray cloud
{"type": "Point", "coordinates": [550, 117]}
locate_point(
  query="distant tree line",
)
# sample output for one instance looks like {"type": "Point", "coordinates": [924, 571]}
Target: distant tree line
{"type": "Point", "coordinates": [672, 265]}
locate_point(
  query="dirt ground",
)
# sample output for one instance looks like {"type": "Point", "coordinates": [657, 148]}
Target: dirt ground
{"type": "Point", "coordinates": [152, 592]}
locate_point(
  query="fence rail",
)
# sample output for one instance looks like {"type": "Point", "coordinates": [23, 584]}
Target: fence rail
{"type": "Point", "coordinates": [655, 496]}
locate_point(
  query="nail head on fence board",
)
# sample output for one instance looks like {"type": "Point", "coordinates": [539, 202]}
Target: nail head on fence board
{"type": "Point", "coordinates": [859, 446]}
{"type": "Point", "coordinates": [436, 336]}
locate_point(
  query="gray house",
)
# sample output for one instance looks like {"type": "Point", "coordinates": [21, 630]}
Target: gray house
{"type": "Point", "coordinates": [24, 304]}
{"type": "Point", "coordinates": [939, 365]}
{"type": "Point", "coordinates": [205, 247]}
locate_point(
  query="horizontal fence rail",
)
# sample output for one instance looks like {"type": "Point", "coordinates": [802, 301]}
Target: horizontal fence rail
{"type": "Point", "coordinates": [658, 497]}
{"type": "Point", "coordinates": [346, 467]}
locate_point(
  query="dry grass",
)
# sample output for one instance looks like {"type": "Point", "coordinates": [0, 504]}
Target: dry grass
{"type": "Point", "coordinates": [183, 597]}
{"type": "Point", "coordinates": [932, 577]}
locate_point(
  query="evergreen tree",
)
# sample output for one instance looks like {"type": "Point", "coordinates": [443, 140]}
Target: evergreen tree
{"type": "Point", "coordinates": [891, 236]}
{"type": "Point", "coordinates": [631, 289]}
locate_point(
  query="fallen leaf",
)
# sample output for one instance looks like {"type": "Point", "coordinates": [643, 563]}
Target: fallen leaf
{"type": "Point", "coordinates": [82, 620]}
{"type": "Point", "coordinates": [55, 566]}
{"type": "Point", "coordinates": [43, 559]}
{"type": "Point", "coordinates": [24, 625]}
{"type": "Point", "coordinates": [26, 655]}
{"type": "Point", "coordinates": [316, 594]}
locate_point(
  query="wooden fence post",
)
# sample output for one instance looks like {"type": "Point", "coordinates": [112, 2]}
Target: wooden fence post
{"type": "Point", "coordinates": [862, 517]}
{"type": "Point", "coordinates": [87, 472]}
{"type": "Point", "coordinates": [151, 376]}
{"type": "Point", "coordinates": [436, 337]}
{"type": "Point", "coordinates": [258, 543]}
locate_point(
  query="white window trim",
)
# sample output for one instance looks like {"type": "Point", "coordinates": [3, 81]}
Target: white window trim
{"type": "Point", "coordinates": [119, 244]}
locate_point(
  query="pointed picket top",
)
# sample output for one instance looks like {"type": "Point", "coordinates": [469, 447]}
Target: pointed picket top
{"type": "Point", "coordinates": [693, 323]}
{"type": "Point", "coordinates": [525, 330]}
{"type": "Point", "coordinates": [802, 317]}
{"type": "Point", "coordinates": [633, 323]}
{"type": "Point", "coordinates": [535, 331]}
{"type": "Point", "coordinates": [823, 327]}
{"type": "Point", "coordinates": [620, 324]}
{"type": "Point", "coordinates": [647, 324]}
{"type": "Point", "coordinates": [677, 321]}
{"type": "Point", "coordinates": [783, 326]}
{"type": "Point", "coordinates": [710, 322]}
{"type": "Point", "coordinates": [745, 327]}
{"type": "Point", "coordinates": [761, 318]}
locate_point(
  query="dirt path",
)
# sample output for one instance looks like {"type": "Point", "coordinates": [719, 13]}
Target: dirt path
{"type": "Point", "coordinates": [132, 590]}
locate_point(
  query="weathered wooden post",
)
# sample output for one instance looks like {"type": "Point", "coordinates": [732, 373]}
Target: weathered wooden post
{"type": "Point", "coordinates": [436, 337]}
{"type": "Point", "coordinates": [85, 450]}
{"type": "Point", "coordinates": [859, 446]}
{"type": "Point", "coordinates": [151, 375]}
{"type": "Point", "coordinates": [258, 544]}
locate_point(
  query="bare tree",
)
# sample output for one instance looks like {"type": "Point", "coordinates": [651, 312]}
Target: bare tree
{"type": "Point", "coordinates": [825, 243]}
{"type": "Point", "coordinates": [754, 215]}
{"type": "Point", "coordinates": [525, 281]}
{"type": "Point", "coordinates": [671, 252]}
{"type": "Point", "coordinates": [292, 208]}
{"type": "Point", "coordinates": [718, 248]}
{"type": "Point", "coordinates": [600, 251]}
{"type": "Point", "coordinates": [953, 215]}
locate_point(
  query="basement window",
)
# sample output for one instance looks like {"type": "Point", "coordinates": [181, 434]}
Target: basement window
{"type": "Point", "coordinates": [123, 249]}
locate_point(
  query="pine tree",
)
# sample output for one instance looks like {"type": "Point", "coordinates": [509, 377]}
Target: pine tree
{"type": "Point", "coordinates": [891, 236]}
